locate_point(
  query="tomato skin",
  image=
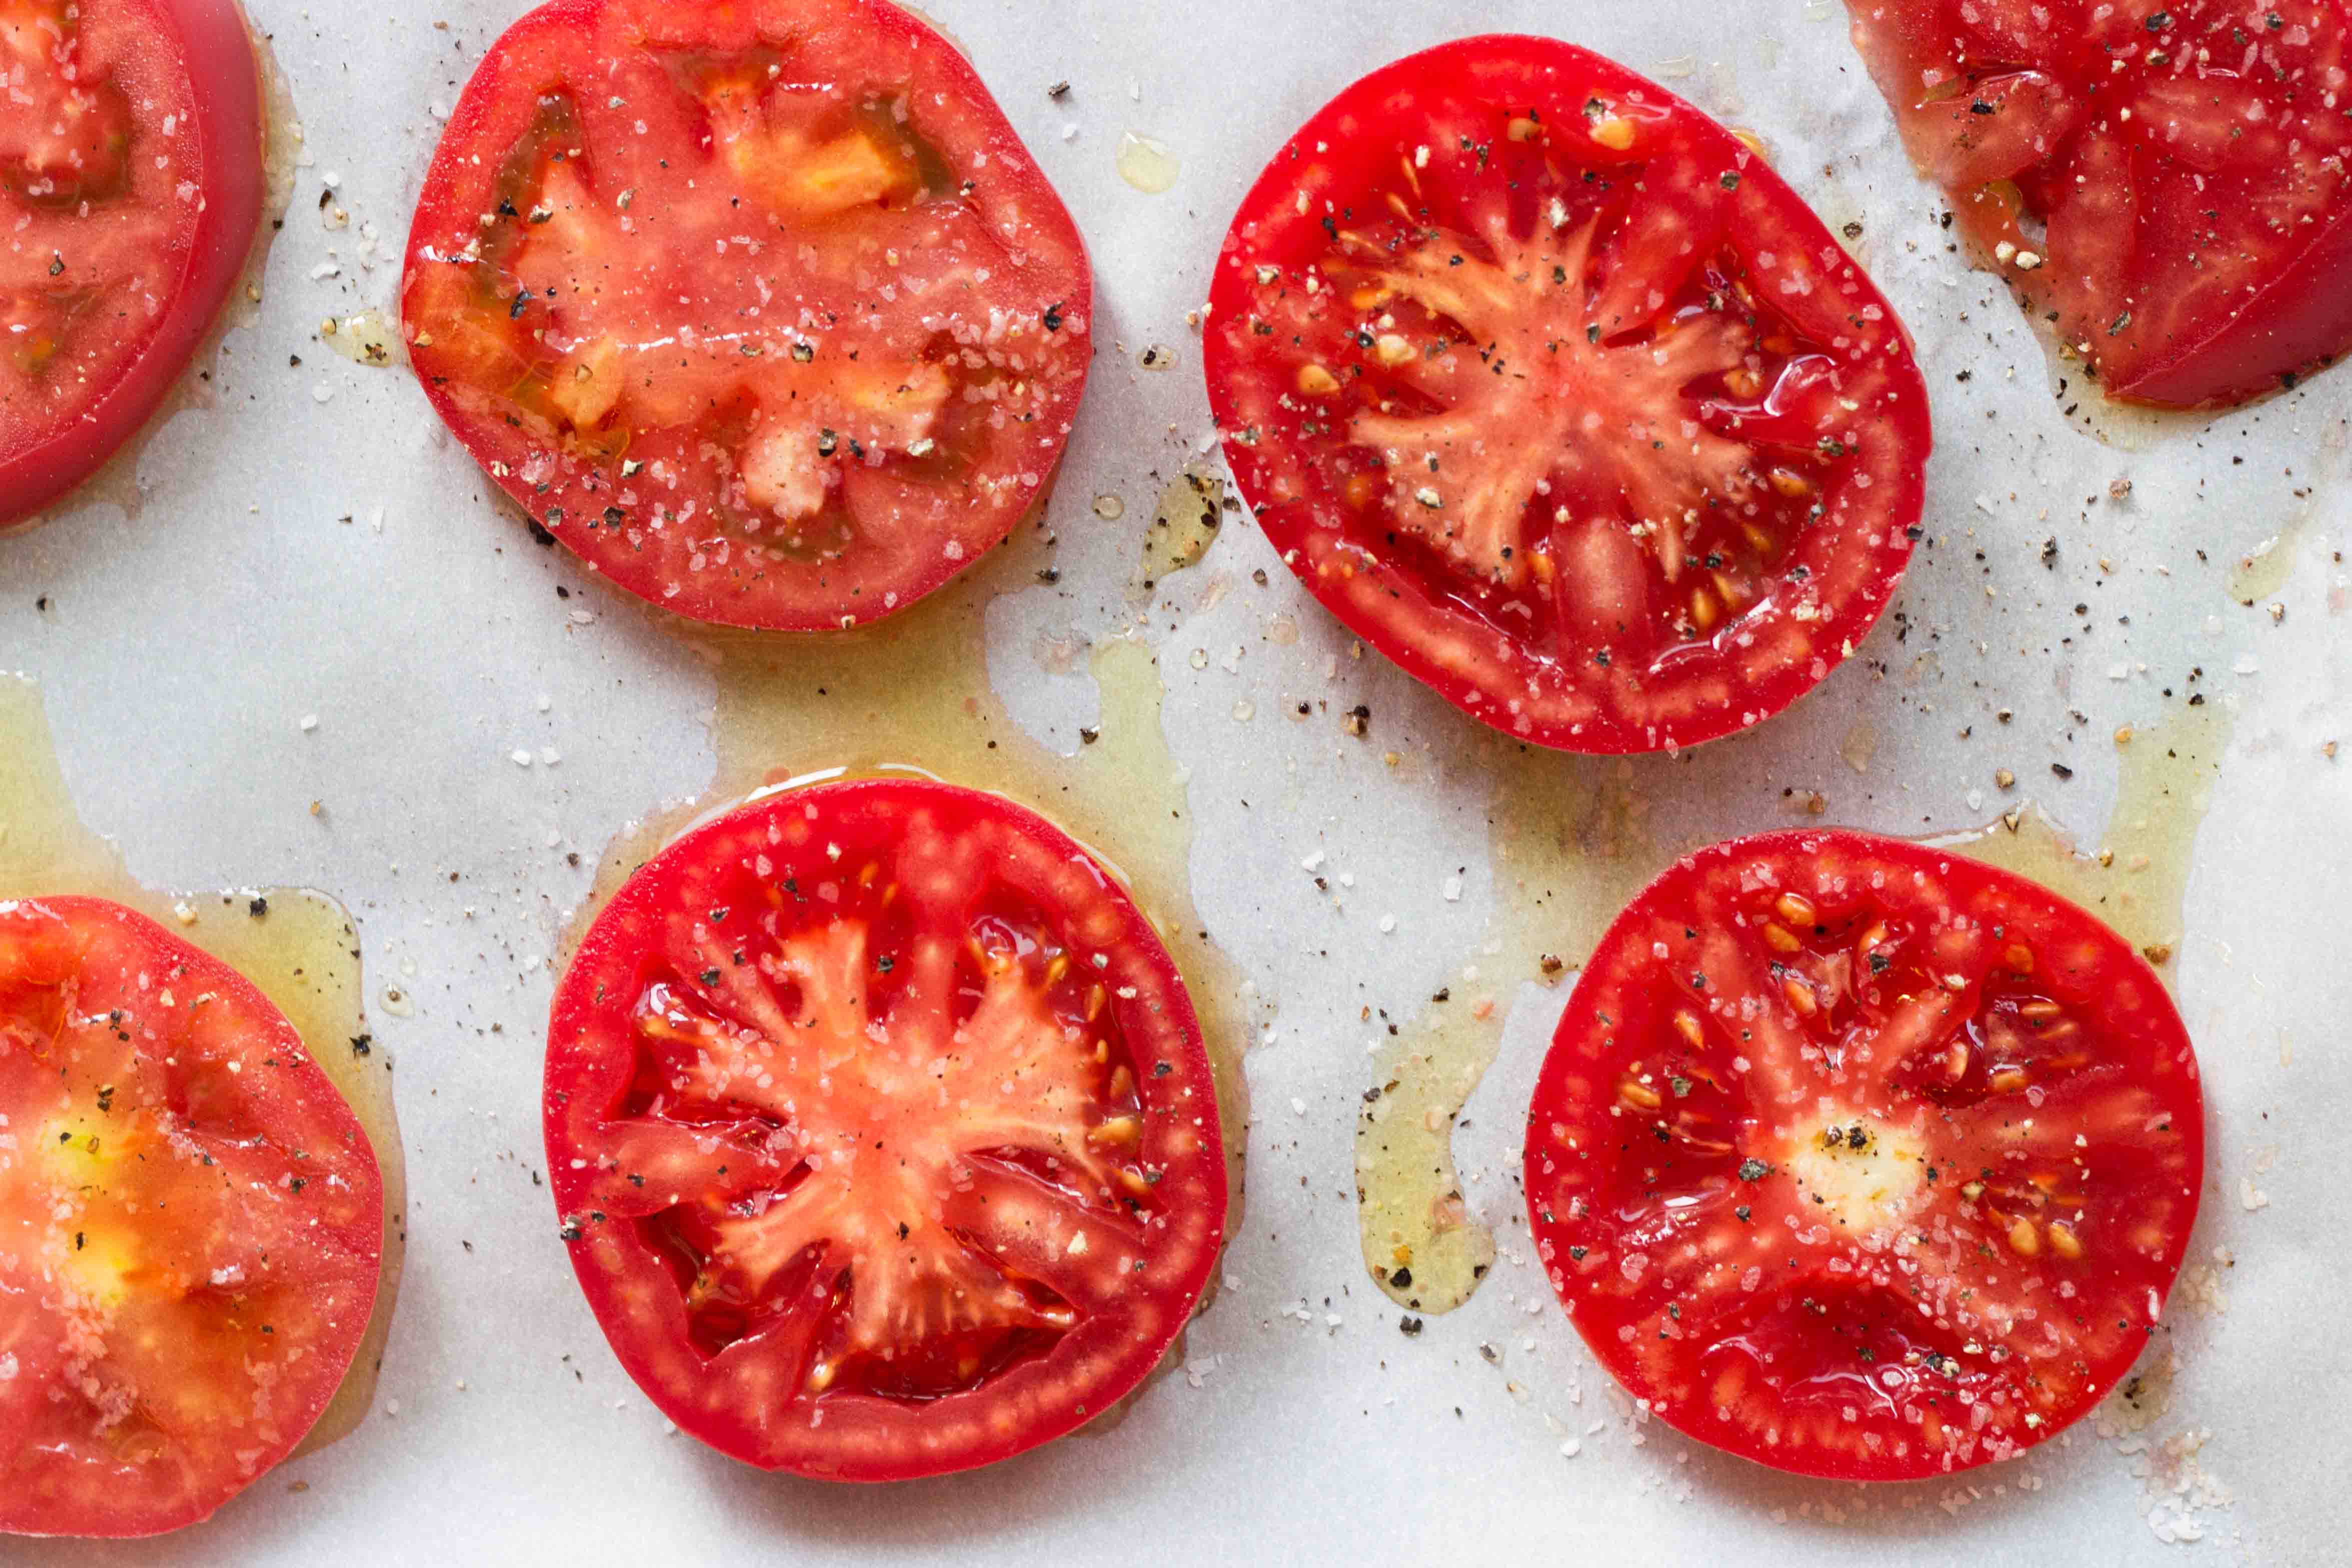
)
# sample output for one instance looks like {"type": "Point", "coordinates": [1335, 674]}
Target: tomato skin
{"type": "Point", "coordinates": [726, 561]}
{"type": "Point", "coordinates": [2187, 159]}
{"type": "Point", "coordinates": [226, 1219]}
{"type": "Point", "coordinates": [1539, 664]}
{"type": "Point", "coordinates": [222, 129]}
{"type": "Point", "coordinates": [1918, 1224]}
{"type": "Point", "coordinates": [901, 874]}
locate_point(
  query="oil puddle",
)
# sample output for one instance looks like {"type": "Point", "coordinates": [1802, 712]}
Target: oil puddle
{"type": "Point", "coordinates": [1185, 523]}
{"type": "Point", "coordinates": [367, 338]}
{"type": "Point", "coordinates": [298, 947]}
{"type": "Point", "coordinates": [1569, 850]}
{"type": "Point", "coordinates": [2136, 876]}
{"type": "Point", "coordinates": [1146, 163]}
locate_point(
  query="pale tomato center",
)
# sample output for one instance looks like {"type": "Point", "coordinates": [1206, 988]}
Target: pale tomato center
{"type": "Point", "coordinates": [1543, 432]}
{"type": "Point", "coordinates": [886, 1116]}
{"type": "Point", "coordinates": [1864, 1176]}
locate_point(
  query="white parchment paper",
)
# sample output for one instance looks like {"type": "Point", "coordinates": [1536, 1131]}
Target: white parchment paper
{"type": "Point", "coordinates": [313, 544]}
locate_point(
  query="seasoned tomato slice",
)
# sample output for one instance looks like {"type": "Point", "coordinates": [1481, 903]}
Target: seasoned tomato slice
{"type": "Point", "coordinates": [128, 200]}
{"type": "Point", "coordinates": [190, 1222]}
{"type": "Point", "coordinates": [1545, 383]}
{"type": "Point", "coordinates": [2164, 182]}
{"type": "Point", "coordinates": [882, 1131]}
{"type": "Point", "coordinates": [1863, 1159]}
{"type": "Point", "coordinates": [761, 307]}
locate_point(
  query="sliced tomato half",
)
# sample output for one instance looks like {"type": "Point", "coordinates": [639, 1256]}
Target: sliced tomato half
{"type": "Point", "coordinates": [1863, 1159]}
{"type": "Point", "coordinates": [2165, 182]}
{"type": "Point", "coordinates": [129, 202]}
{"type": "Point", "coordinates": [191, 1224]}
{"type": "Point", "coordinates": [759, 306]}
{"type": "Point", "coordinates": [882, 1131]}
{"type": "Point", "coordinates": [1548, 386]}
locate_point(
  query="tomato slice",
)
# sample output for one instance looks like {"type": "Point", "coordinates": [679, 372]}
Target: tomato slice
{"type": "Point", "coordinates": [1549, 387]}
{"type": "Point", "coordinates": [759, 306]}
{"type": "Point", "coordinates": [191, 1224]}
{"type": "Point", "coordinates": [129, 203]}
{"type": "Point", "coordinates": [1863, 1159]}
{"type": "Point", "coordinates": [882, 1131]}
{"type": "Point", "coordinates": [2163, 181]}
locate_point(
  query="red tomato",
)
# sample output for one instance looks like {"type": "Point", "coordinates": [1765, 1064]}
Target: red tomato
{"type": "Point", "coordinates": [760, 307]}
{"type": "Point", "coordinates": [190, 1222]}
{"type": "Point", "coordinates": [1863, 1159]}
{"type": "Point", "coordinates": [129, 202]}
{"type": "Point", "coordinates": [2165, 181]}
{"type": "Point", "coordinates": [882, 1131]}
{"type": "Point", "coordinates": [1548, 386]}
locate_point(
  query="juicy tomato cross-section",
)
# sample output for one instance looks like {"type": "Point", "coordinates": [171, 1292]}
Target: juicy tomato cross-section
{"type": "Point", "coordinates": [1546, 384]}
{"type": "Point", "coordinates": [882, 1131]}
{"type": "Point", "coordinates": [2164, 183]}
{"type": "Point", "coordinates": [760, 307]}
{"type": "Point", "coordinates": [1863, 1159]}
{"type": "Point", "coordinates": [128, 200]}
{"type": "Point", "coordinates": [191, 1224]}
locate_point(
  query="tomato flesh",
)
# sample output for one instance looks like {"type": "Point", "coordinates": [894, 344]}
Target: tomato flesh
{"type": "Point", "coordinates": [1862, 1159]}
{"type": "Point", "coordinates": [191, 1224]}
{"type": "Point", "coordinates": [2163, 182]}
{"type": "Point", "coordinates": [762, 309]}
{"type": "Point", "coordinates": [1546, 383]}
{"type": "Point", "coordinates": [883, 1133]}
{"type": "Point", "coordinates": [129, 202]}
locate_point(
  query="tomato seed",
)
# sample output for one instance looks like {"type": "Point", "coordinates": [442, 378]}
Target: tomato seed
{"type": "Point", "coordinates": [1118, 1132]}
{"type": "Point", "coordinates": [1616, 133]}
{"type": "Point", "coordinates": [1801, 997]}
